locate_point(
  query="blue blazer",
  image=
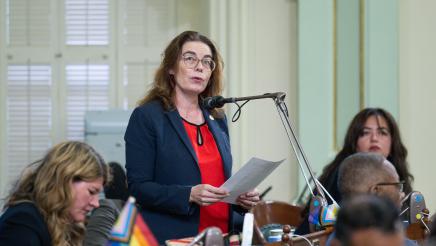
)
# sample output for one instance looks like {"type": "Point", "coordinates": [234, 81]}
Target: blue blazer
{"type": "Point", "coordinates": [23, 225]}
{"type": "Point", "coordinates": [162, 167]}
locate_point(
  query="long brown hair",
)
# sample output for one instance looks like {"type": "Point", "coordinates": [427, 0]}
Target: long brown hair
{"type": "Point", "coordinates": [163, 85]}
{"type": "Point", "coordinates": [397, 155]}
{"type": "Point", "coordinates": [47, 184]}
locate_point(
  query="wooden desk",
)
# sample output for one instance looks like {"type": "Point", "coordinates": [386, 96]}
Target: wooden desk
{"type": "Point", "coordinates": [318, 238]}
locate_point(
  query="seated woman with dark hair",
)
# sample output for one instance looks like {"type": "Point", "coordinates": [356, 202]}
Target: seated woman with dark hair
{"type": "Point", "coordinates": [371, 130]}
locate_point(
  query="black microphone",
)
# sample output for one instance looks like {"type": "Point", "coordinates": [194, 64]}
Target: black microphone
{"type": "Point", "coordinates": [215, 102]}
{"type": "Point", "coordinates": [219, 101]}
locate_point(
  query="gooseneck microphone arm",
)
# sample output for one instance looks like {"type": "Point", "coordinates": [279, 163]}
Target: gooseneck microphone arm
{"type": "Point", "coordinates": [279, 99]}
{"type": "Point", "coordinates": [319, 199]}
{"type": "Point", "coordinates": [267, 95]}
{"type": "Point", "coordinates": [219, 101]}
{"type": "Point", "coordinates": [296, 146]}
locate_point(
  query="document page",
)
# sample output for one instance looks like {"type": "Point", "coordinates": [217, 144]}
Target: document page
{"type": "Point", "coordinates": [248, 177]}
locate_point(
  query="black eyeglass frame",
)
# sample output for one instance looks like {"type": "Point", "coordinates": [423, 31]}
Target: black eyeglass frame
{"type": "Point", "coordinates": [398, 184]}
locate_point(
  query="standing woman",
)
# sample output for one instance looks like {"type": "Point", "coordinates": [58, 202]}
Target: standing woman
{"type": "Point", "coordinates": [178, 153]}
{"type": "Point", "coordinates": [52, 198]}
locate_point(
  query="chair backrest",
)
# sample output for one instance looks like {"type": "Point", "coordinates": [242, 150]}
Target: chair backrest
{"type": "Point", "coordinates": [275, 212]}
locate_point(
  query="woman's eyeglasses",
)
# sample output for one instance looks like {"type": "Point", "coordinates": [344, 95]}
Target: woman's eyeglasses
{"type": "Point", "coordinates": [191, 61]}
{"type": "Point", "coordinates": [400, 185]}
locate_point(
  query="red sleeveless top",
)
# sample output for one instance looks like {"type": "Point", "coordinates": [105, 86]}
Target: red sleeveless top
{"type": "Point", "coordinates": [212, 172]}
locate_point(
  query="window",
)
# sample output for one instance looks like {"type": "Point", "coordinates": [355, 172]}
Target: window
{"type": "Point", "coordinates": [64, 58]}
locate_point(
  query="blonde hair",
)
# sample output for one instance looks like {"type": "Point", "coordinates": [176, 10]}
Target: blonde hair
{"type": "Point", "coordinates": [163, 84]}
{"type": "Point", "coordinates": [47, 184]}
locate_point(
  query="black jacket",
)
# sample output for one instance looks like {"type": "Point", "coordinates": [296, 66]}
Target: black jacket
{"type": "Point", "coordinates": [23, 225]}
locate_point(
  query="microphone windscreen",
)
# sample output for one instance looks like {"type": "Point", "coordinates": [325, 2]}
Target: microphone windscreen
{"type": "Point", "coordinates": [209, 236]}
{"type": "Point", "coordinates": [214, 237]}
{"type": "Point", "coordinates": [212, 102]}
{"type": "Point", "coordinates": [417, 205]}
{"type": "Point", "coordinates": [207, 103]}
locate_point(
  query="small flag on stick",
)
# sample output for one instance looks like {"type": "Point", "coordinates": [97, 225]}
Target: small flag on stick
{"type": "Point", "coordinates": [130, 228]}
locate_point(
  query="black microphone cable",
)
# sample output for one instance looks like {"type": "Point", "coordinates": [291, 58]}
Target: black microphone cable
{"type": "Point", "coordinates": [238, 112]}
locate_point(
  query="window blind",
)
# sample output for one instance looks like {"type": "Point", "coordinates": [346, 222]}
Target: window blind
{"type": "Point", "coordinates": [87, 89]}
{"type": "Point", "coordinates": [147, 27]}
{"type": "Point", "coordinates": [87, 22]}
{"type": "Point", "coordinates": [28, 22]}
{"type": "Point", "coordinates": [29, 109]}
{"type": "Point", "coordinates": [146, 22]}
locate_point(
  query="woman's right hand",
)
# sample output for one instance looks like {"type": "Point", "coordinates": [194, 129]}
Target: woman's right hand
{"type": "Point", "coordinates": [205, 194]}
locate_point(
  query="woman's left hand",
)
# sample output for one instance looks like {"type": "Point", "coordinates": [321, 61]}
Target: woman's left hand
{"type": "Point", "coordinates": [249, 199]}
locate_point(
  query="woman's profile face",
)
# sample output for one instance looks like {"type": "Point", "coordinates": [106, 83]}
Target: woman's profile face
{"type": "Point", "coordinates": [375, 136]}
{"type": "Point", "coordinates": [193, 69]}
{"type": "Point", "coordinates": [85, 198]}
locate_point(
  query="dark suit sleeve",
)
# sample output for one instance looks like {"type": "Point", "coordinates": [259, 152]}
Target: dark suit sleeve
{"type": "Point", "coordinates": [22, 229]}
{"type": "Point", "coordinates": [141, 161]}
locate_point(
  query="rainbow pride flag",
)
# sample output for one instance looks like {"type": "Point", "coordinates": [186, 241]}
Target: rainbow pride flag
{"type": "Point", "coordinates": [130, 228]}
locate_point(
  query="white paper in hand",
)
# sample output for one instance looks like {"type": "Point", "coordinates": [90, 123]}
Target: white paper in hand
{"type": "Point", "coordinates": [248, 177]}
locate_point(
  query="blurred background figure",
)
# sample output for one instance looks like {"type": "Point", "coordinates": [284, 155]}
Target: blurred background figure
{"type": "Point", "coordinates": [117, 188]}
{"type": "Point", "coordinates": [368, 173]}
{"type": "Point", "coordinates": [102, 219]}
{"type": "Point", "coordinates": [367, 220]}
{"type": "Point", "coordinates": [431, 239]}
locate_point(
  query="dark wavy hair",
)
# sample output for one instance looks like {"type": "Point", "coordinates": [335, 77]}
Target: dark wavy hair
{"type": "Point", "coordinates": [397, 155]}
{"type": "Point", "coordinates": [117, 187]}
{"type": "Point", "coordinates": [163, 85]}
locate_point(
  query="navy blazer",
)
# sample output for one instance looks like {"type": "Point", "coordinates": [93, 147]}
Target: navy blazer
{"type": "Point", "coordinates": [162, 167]}
{"type": "Point", "coordinates": [23, 225]}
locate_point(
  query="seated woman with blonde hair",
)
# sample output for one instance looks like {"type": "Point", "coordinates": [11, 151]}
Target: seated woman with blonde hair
{"type": "Point", "coordinates": [52, 198]}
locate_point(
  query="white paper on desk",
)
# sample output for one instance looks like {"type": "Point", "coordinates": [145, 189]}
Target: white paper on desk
{"type": "Point", "coordinates": [248, 177]}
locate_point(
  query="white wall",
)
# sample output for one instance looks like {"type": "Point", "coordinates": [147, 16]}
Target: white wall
{"type": "Point", "coordinates": [417, 39]}
{"type": "Point", "coordinates": [259, 43]}
{"type": "Point", "coordinates": [270, 67]}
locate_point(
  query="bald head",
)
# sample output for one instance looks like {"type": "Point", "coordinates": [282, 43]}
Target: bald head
{"type": "Point", "coordinates": [390, 169]}
{"type": "Point", "coordinates": [361, 172]}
